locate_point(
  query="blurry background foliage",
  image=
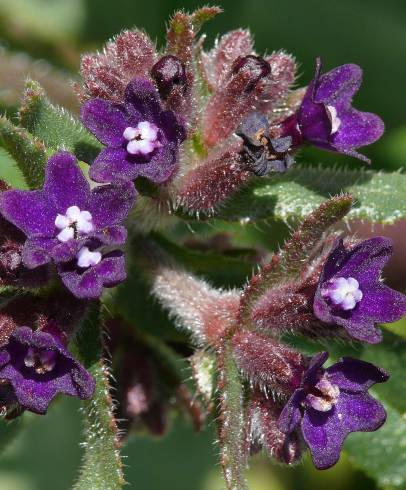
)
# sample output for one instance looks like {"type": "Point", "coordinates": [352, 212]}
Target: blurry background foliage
{"type": "Point", "coordinates": [44, 38]}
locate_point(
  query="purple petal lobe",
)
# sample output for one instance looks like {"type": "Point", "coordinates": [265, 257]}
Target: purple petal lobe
{"type": "Point", "coordinates": [143, 98]}
{"type": "Point", "coordinates": [354, 375]}
{"type": "Point", "coordinates": [29, 211]}
{"type": "Point", "coordinates": [291, 415]}
{"type": "Point", "coordinates": [110, 204]}
{"type": "Point", "coordinates": [107, 121]}
{"type": "Point", "coordinates": [65, 185]}
{"type": "Point", "coordinates": [113, 165]}
{"type": "Point", "coordinates": [324, 435]}
{"type": "Point", "coordinates": [37, 251]}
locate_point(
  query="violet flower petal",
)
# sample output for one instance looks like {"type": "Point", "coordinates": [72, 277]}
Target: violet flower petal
{"type": "Point", "coordinates": [141, 97]}
{"type": "Point", "coordinates": [355, 375]}
{"type": "Point", "coordinates": [106, 120]}
{"type": "Point", "coordinates": [291, 414]}
{"type": "Point", "coordinates": [29, 211]}
{"type": "Point", "coordinates": [109, 205]}
{"type": "Point", "coordinates": [37, 251]}
{"type": "Point", "coordinates": [65, 185]}
{"type": "Point", "coordinates": [113, 165]}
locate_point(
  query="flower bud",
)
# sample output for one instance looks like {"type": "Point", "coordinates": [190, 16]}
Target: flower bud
{"type": "Point", "coordinates": [267, 362]}
{"type": "Point", "coordinates": [264, 414]}
{"type": "Point", "coordinates": [169, 74]}
{"type": "Point", "coordinates": [252, 69]}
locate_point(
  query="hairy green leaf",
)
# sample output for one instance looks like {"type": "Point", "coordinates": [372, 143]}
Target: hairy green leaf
{"type": "Point", "coordinates": [382, 454]}
{"type": "Point", "coordinates": [380, 197]}
{"type": "Point", "coordinates": [55, 126]}
{"type": "Point", "coordinates": [28, 152]}
{"type": "Point", "coordinates": [232, 420]}
{"type": "Point", "coordinates": [102, 468]}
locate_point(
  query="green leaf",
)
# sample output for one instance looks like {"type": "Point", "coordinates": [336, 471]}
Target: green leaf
{"type": "Point", "coordinates": [381, 454]}
{"type": "Point", "coordinates": [10, 430]}
{"type": "Point", "coordinates": [29, 153]}
{"type": "Point", "coordinates": [55, 126]}
{"type": "Point", "coordinates": [381, 197]}
{"type": "Point", "coordinates": [232, 420]}
{"type": "Point", "coordinates": [102, 468]}
{"type": "Point", "coordinates": [298, 250]}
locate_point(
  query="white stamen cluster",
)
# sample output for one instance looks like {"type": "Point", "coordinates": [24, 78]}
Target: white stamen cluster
{"type": "Point", "coordinates": [87, 258]}
{"type": "Point", "coordinates": [73, 219]}
{"type": "Point", "coordinates": [343, 292]}
{"type": "Point", "coordinates": [143, 139]}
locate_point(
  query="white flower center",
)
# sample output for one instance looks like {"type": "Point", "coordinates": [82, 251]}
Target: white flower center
{"type": "Point", "coordinates": [74, 220]}
{"type": "Point", "coordinates": [343, 292]}
{"type": "Point", "coordinates": [324, 396]}
{"type": "Point", "coordinates": [143, 139]}
{"type": "Point", "coordinates": [87, 258]}
{"type": "Point", "coordinates": [335, 121]}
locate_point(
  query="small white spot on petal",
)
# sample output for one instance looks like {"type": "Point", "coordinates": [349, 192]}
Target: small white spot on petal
{"type": "Point", "coordinates": [87, 258]}
{"type": "Point", "coordinates": [335, 121]}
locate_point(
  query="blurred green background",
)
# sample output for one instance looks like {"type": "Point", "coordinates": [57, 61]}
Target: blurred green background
{"type": "Point", "coordinates": [371, 33]}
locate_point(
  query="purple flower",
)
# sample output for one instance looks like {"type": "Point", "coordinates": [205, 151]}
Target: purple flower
{"type": "Point", "coordinates": [38, 367]}
{"type": "Point", "coordinates": [326, 117]}
{"type": "Point", "coordinates": [349, 292]}
{"type": "Point", "coordinates": [141, 138]}
{"type": "Point", "coordinates": [331, 403]}
{"type": "Point", "coordinates": [68, 223]}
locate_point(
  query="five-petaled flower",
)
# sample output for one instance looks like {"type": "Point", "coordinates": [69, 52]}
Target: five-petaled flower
{"type": "Point", "coordinates": [331, 403]}
{"type": "Point", "coordinates": [350, 293]}
{"type": "Point", "coordinates": [326, 117]}
{"type": "Point", "coordinates": [38, 366]}
{"type": "Point", "coordinates": [68, 223]}
{"type": "Point", "coordinates": [141, 138]}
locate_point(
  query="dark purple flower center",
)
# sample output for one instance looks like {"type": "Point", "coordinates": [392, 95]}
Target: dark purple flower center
{"type": "Point", "coordinates": [42, 361]}
{"type": "Point", "coordinates": [342, 292]}
{"type": "Point", "coordinates": [143, 139]}
{"type": "Point", "coordinates": [323, 395]}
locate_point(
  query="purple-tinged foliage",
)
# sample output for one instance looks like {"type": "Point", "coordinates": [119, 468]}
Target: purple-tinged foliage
{"type": "Point", "coordinates": [217, 63]}
{"type": "Point", "coordinates": [331, 403]}
{"type": "Point", "coordinates": [38, 366]}
{"type": "Point", "coordinates": [68, 223]}
{"type": "Point", "coordinates": [267, 362]}
{"type": "Point", "coordinates": [206, 186]}
{"type": "Point", "coordinates": [245, 83]}
{"type": "Point", "coordinates": [141, 138]}
{"type": "Point", "coordinates": [131, 54]}
{"type": "Point", "coordinates": [351, 294]}
{"type": "Point", "coordinates": [326, 117]}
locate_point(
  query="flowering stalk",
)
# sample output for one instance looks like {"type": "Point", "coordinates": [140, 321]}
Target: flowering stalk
{"type": "Point", "coordinates": [165, 137]}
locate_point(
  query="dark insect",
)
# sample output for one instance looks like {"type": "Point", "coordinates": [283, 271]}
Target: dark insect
{"type": "Point", "coordinates": [265, 154]}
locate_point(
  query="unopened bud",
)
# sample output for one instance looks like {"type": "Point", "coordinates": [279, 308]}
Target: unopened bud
{"type": "Point", "coordinates": [264, 414]}
{"type": "Point", "coordinates": [169, 74]}
{"type": "Point", "coordinates": [267, 362]}
{"type": "Point", "coordinates": [252, 69]}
